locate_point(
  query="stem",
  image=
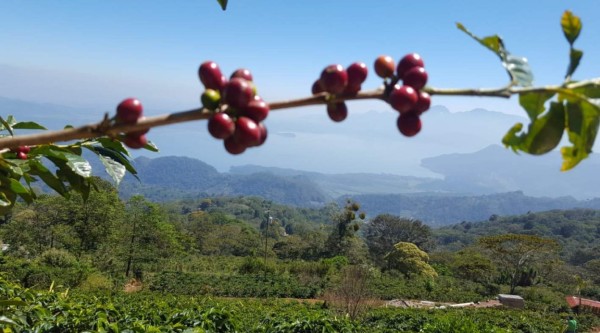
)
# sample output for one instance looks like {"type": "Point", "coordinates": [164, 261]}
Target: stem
{"type": "Point", "coordinates": [106, 128]}
{"type": "Point", "coordinates": [505, 92]}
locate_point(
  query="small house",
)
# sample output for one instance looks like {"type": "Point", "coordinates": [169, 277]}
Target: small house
{"type": "Point", "coordinates": [577, 304]}
{"type": "Point", "coordinates": [512, 301]}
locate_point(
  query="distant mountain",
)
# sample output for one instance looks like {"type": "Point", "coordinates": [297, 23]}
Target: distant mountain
{"type": "Point", "coordinates": [496, 169]}
{"type": "Point", "coordinates": [336, 185]}
{"type": "Point", "coordinates": [51, 116]}
{"type": "Point", "coordinates": [171, 178]}
{"type": "Point", "coordinates": [430, 200]}
{"type": "Point", "coordinates": [440, 209]}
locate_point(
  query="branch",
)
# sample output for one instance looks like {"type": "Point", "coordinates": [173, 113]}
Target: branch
{"type": "Point", "coordinates": [106, 128]}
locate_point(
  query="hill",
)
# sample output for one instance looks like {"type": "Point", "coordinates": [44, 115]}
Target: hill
{"type": "Point", "coordinates": [170, 178]}
{"type": "Point", "coordinates": [496, 169]}
{"type": "Point", "coordinates": [578, 231]}
{"type": "Point", "coordinates": [443, 209]}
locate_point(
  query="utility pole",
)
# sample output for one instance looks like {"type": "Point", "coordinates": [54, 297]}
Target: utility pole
{"type": "Point", "coordinates": [269, 221]}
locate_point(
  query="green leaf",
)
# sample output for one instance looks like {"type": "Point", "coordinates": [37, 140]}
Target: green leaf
{"type": "Point", "coordinates": [75, 162]}
{"type": "Point", "coordinates": [18, 188]}
{"type": "Point", "coordinates": [533, 102]}
{"type": "Point", "coordinates": [571, 26]}
{"type": "Point", "coordinates": [75, 180]}
{"type": "Point", "coordinates": [574, 59]}
{"type": "Point", "coordinates": [493, 43]}
{"type": "Point", "coordinates": [115, 169]}
{"type": "Point", "coordinates": [79, 165]}
{"type": "Point", "coordinates": [30, 125]}
{"type": "Point", "coordinates": [591, 90]}
{"type": "Point", "coordinates": [519, 70]}
{"type": "Point", "coordinates": [38, 169]}
{"type": "Point", "coordinates": [6, 125]}
{"type": "Point", "coordinates": [11, 120]}
{"type": "Point", "coordinates": [15, 166]}
{"type": "Point", "coordinates": [112, 144]}
{"type": "Point", "coordinates": [116, 156]}
{"type": "Point", "coordinates": [223, 4]}
{"type": "Point", "coordinates": [6, 321]}
{"type": "Point", "coordinates": [543, 134]}
{"type": "Point", "coordinates": [582, 129]}
{"type": "Point", "coordinates": [151, 147]}
{"type": "Point", "coordinates": [4, 201]}
{"type": "Point", "coordinates": [7, 199]}
{"type": "Point", "coordinates": [8, 302]}
{"type": "Point", "coordinates": [517, 67]}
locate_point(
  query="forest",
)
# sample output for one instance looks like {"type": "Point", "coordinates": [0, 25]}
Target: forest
{"type": "Point", "coordinates": [218, 264]}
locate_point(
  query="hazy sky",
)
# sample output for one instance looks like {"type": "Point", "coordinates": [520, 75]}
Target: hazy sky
{"type": "Point", "coordinates": [94, 53]}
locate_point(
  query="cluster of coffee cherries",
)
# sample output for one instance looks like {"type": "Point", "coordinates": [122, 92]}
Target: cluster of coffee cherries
{"type": "Point", "coordinates": [130, 111]}
{"type": "Point", "coordinates": [238, 111]}
{"type": "Point", "coordinates": [336, 80]}
{"type": "Point", "coordinates": [21, 152]}
{"type": "Point", "coordinates": [408, 99]}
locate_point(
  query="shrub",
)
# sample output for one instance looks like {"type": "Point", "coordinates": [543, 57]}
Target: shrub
{"type": "Point", "coordinates": [96, 281]}
{"type": "Point", "coordinates": [252, 265]}
{"type": "Point", "coordinates": [57, 258]}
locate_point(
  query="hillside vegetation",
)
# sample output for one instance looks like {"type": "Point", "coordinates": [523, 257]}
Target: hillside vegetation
{"type": "Point", "coordinates": [247, 247]}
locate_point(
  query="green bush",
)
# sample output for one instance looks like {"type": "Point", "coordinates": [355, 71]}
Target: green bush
{"type": "Point", "coordinates": [96, 281]}
{"type": "Point", "coordinates": [543, 299]}
{"type": "Point", "coordinates": [57, 258]}
{"type": "Point", "coordinates": [247, 285]}
{"type": "Point", "coordinates": [253, 265]}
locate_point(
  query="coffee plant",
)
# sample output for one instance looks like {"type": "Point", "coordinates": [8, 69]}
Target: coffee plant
{"type": "Point", "coordinates": [235, 113]}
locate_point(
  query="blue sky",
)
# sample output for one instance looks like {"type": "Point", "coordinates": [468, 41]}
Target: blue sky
{"type": "Point", "coordinates": [95, 53]}
{"type": "Point", "coordinates": [151, 49]}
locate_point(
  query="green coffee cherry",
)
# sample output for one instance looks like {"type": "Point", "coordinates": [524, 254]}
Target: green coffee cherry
{"type": "Point", "coordinates": [210, 99]}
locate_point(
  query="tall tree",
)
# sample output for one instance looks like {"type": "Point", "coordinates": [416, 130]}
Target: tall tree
{"type": "Point", "coordinates": [385, 230]}
{"type": "Point", "coordinates": [147, 236]}
{"type": "Point", "coordinates": [343, 239]}
{"type": "Point", "coordinates": [410, 260]}
{"type": "Point", "coordinates": [94, 219]}
{"type": "Point", "coordinates": [517, 254]}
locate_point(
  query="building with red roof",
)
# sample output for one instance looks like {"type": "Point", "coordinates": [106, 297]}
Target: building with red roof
{"type": "Point", "coordinates": [586, 304]}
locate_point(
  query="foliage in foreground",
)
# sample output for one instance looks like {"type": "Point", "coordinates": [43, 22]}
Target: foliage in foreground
{"type": "Point", "coordinates": [24, 310]}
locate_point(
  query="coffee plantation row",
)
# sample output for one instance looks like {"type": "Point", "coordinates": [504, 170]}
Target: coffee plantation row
{"type": "Point", "coordinates": [25, 310]}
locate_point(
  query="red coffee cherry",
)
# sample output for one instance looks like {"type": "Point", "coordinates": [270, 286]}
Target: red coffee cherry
{"type": "Point", "coordinates": [246, 132]}
{"type": "Point", "coordinates": [238, 93]}
{"type": "Point", "coordinates": [317, 88]}
{"type": "Point", "coordinates": [242, 73]}
{"type": "Point", "coordinates": [129, 111]}
{"type": "Point", "coordinates": [221, 126]}
{"type": "Point", "coordinates": [211, 76]}
{"type": "Point", "coordinates": [403, 98]}
{"type": "Point", "coordinates": [263, 133]}
{"type": "Point", "coordinates": [337, 111]}
{"type": "Point", "coordinates": [409, 124]}
{"type": "Point", "coordinates": [334, 79]}
{"type": "Point", "coordinates": [409, 61]}
{"type": "Point", "coordinates": [357, 74]}
{"type": "Point", "coordinates": [21, 155]}
{"type": "Point", "coordinates": [233, 147]}
{"type": "Point", "coordinates": [415, 77]}
{"type": "Point", "coordinates": [256, 110]}
{"type": "Point", "coordinates": [24, 149]}
{"type": "Point", "coordinates": [423, 103]}
{"type": "Point", "coordinates": [135, 141]}
{"type": "Point", "coordinates": [352, 90]}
